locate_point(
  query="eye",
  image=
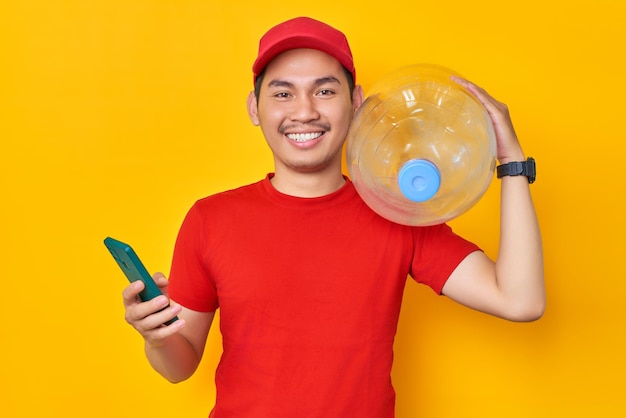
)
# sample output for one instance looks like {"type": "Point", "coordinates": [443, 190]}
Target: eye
{"type": "Point", "coordinates": [325, 92]}
{"type": "Point", "coordinates": [281, 95]}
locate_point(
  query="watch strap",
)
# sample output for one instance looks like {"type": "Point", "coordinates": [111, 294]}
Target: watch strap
{"type": "Point", "coordinates": [518, 168]}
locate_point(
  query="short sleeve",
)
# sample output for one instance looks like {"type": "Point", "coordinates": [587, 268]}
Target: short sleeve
{"type": "Point", "coordinates": [190, 282]}
{"type": "Point", "coordinates": [438, 251]}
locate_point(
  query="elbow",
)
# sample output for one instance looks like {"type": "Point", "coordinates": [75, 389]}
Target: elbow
{"type": "Point", "coordinates": [175, 379]}
{"type": "Point", "coordinates": [530, 316]}
{"type": "Point", "coordinates": [174, 376]}
{"type": "Point", "coordinates": [529, 312]}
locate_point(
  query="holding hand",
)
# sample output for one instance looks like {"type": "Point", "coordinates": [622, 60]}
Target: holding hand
{"type": "Point", "coordinates": [149, 317]}
{"type": "Point", "coordinates": [508, 146]}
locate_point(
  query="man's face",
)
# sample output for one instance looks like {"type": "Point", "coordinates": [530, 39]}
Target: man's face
{"type": "Point", "coordinates": [305, 109]}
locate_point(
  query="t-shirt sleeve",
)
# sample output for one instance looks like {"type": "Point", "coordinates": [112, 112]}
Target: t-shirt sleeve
{"type": "Point", "coordinates": [191, 284]}
{"type": "Point", "coordinates": [438, 252]}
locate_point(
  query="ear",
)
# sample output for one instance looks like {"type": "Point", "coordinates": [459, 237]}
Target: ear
{"type": "Point", "coordinates": [253, 109]}
{"type": "Point", "coordinates": [357, 97]}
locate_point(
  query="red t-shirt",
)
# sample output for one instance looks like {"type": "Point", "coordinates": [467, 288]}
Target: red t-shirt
{"type": "Point", "coordinates": [309, 291]}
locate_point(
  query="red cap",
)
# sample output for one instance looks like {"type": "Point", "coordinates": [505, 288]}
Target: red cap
{"type": "Point", "coordinates": [303, 32]}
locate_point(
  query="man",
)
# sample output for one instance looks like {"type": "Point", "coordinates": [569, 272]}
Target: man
{"type": "Point", "coordinates": [308, 279]}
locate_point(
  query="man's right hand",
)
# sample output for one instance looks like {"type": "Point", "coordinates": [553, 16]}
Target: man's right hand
{"type": "Point", "coordinates": [148, 317]}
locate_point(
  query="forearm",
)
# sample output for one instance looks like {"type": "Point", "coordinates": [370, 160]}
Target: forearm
{"type": "Point", "coordinates": [519, 266]}
{"type": "Point", "coordinates": [174, 358]}
{"type": "Point", "coordinates": [514, 287]}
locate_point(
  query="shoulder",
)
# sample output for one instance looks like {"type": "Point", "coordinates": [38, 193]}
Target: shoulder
{"type": "Point", "coordinates": [228, 197]}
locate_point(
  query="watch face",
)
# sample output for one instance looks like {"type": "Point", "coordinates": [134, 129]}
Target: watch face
{"type": "Point", "coordinates": [531, 170]}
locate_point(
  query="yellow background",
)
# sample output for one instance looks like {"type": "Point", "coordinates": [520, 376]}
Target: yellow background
{"type": "Point", "coordinates": [116, 115]}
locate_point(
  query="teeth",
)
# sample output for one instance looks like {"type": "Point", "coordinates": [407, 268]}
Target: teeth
{"type": "Point", "coordinates": [304, 137]}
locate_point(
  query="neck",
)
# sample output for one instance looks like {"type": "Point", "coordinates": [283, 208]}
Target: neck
{"type": "Point", "coordinates": [308, 184]}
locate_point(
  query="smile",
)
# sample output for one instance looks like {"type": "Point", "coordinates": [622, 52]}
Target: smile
{"type": "Point", "coordinates": [304, 137]}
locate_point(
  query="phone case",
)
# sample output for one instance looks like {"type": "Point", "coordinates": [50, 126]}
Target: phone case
{"type": "Point", "coordinates": [134, 269]}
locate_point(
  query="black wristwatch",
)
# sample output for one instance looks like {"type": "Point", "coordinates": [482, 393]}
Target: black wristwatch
{"type": "Point", "coordinates": [519, 168]}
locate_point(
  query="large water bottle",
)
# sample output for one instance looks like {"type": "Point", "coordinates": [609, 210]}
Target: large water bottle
{"type": "Point", "coordinates": [421, 149]}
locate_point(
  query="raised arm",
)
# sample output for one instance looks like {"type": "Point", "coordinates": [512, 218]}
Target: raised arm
{"type": "Point", "coordinates": [513, 286]}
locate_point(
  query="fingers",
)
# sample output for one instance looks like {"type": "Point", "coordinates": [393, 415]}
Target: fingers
{"type": "Point", "coordinates": [156, 336]}
{"type": "Point", "coordinates": [131, 292]}
{"type": "Point", "coordinates": [152, 314]}
{"type": "Point", "coordinates": [507, 143]}
{"type": "Point", "coordinates": [148, 317]}
{"type": "Point", "coordinates": [490, 104]}
{"type": "Point", "coordinates": [161, 281]}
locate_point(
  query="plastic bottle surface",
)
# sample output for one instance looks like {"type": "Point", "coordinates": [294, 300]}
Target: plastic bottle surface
{"type": "Point", "coordinates": [421, 149]}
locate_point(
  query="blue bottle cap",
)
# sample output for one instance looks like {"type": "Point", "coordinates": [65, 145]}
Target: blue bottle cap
{"type": "Point", "coordinates": [419, 180]}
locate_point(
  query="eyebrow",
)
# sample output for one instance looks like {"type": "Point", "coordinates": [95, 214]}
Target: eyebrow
{"type": "Point", "coordinates": [317, 82]}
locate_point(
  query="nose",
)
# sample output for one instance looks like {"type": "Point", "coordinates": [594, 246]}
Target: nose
{"type": "Point", "coordinates": [304, 109]}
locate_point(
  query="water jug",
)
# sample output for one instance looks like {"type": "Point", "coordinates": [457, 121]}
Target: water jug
{"type": "Point", "coordinates": [421, 149]}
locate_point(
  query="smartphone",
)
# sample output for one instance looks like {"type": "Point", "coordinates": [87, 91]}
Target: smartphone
{"type": "Point", "coordinates": [134, 269]}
